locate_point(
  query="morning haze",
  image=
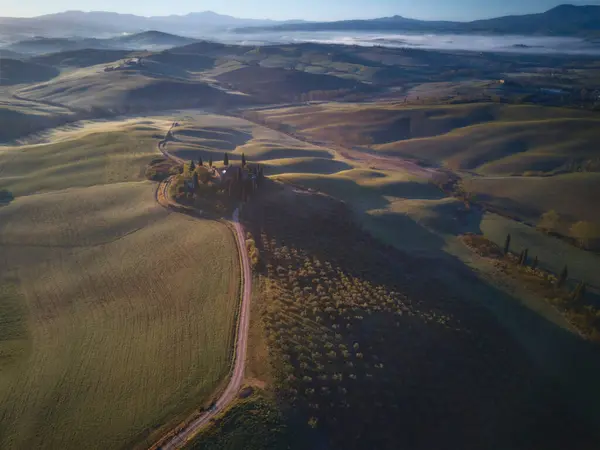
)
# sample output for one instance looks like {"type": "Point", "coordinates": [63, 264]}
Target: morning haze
{"type": "Point", "coordinates": [295, 226]}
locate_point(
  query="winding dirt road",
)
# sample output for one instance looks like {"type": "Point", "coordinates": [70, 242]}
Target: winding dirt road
{"type": "Point", "coordinates": [178, 439]}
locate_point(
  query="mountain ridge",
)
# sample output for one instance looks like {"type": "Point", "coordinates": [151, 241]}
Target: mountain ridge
{"type": "Point", "coordinates": [107, 24]}
{"type": "Point", "coordinates": [563, 20]}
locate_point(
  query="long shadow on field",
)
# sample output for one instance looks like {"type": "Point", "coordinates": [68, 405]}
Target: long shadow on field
{"type": "Point", "coordinates": [6, 197]}
{"type": "Point", "coordinates": [229, 138]}
{"type": "Point", "coordinates": [495, 376]}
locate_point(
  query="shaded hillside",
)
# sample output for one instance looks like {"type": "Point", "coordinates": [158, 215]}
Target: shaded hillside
{"type": "Point", "coordinates": [14, 71]}
{"type": "Point", "coordinates": [520, 160]}
{"type": "Point", "coordinates": [210, 49]}
{"type": "Point", "coordinates": [10, 54]}
{"type": "Point", "coordinates": [139, 41]}
{"type": "Point", "coordinates": [373, 348]}
{"type": "Point", "coordinates": [380, 65]}
{"type": "Point", "coordinates": [492, 139]}
{"type": "Point", "coordinates": [570, 195]}
{"type": "Point", "coordinates": [152, 38]}
{"type": "Point", "coordinates": [270, 84]}
{"type": "Point", "coordinates": [121, 91]}
{"type": "Point", "coordinates": [44, 45]}
{"type": "Point", "coordinates": [182, 60]}
{"type": "Point", "coordinates": [81, 58]}
{"type": "Point", "coordinates": [20, 118]}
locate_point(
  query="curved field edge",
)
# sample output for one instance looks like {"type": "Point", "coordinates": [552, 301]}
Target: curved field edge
{"type": "Point", "coordinates": [122, 338]}
{"type": "Point", "coordinates": [170, 431]}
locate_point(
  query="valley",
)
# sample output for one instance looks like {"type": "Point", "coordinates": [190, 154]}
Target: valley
{"type": "Point", "coordinates": [224, 246]}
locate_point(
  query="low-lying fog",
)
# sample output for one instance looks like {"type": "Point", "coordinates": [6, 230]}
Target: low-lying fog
{"type": "Point", "coordinates": [520, 44]}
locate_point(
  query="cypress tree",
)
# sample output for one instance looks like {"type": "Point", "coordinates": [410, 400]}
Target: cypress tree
{"type": "Point", "coordinates": [200, 163]}
{"type": "Point", "coordinates": [507, 244]}
{"type": "Point", "coordinates": [210, 161]}
{"type": "Point", "coordinates": [524, 258]}
{"type": "Point", "coordinates": [226, 159]}
{"type": "Point", "coordinates": [563, 277]}
{"type": "Point", "coordinates": [192, 166]}
{"type": "Point", "coordinates": [195, 182]}
{"type": "Point", "coordinates": [243, 160]}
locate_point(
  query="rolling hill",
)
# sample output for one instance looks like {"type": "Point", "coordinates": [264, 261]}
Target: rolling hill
{"type": "Point", "coordinates": [20, 117]}
{"type": "Point", "coordinates": [81, 58]}
{"type": "Point", "coordinates": [149, 39]}
{"type": "Point", "coordinates": [491, 139]}
{"type": "Point", "coordinates": [4, 53]}
{"type": "Point", "coordinates": [273, 84]}
{"type": "Point", "coordinates": [99, 305]}
{"type": "Point", "coordinates": [154, 85]}
{"type": "Point", "coordinates": [154, 40]}
{"type": "Point", "coordinates": [522, 160]}
{"type": "Point", "coordinates": [14, 71]}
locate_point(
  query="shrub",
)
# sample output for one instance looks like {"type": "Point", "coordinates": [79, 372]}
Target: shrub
{"type": "Point", "coordinates": [549, 221]}
{"type": "Point", "coordinates": [586, 233]}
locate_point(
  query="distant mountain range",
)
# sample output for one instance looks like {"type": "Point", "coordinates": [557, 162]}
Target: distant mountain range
{"type": "Point", "coordinates": [107, 24]}
{"type": "Point", "coordinates": [564, 20]}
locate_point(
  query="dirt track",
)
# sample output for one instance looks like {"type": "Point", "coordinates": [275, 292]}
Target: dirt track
{"type": "Point", "coordinates": [179, 439]}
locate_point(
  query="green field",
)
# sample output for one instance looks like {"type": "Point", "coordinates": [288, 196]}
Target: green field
{"type": "Point", "coordinates": [86, 154]}
{"type": "Point", "coordinates": [117, 315]}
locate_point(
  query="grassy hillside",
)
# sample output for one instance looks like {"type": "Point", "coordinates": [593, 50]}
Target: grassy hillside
{"type": "Point", "coordinates": [85, 155]}
{"type": "Point", "coordinates": [211, 136]}
{"type": "Point", "coordinates": [4, 53]}
{"type": "Point", "coordinates": [81, 58]}
{"type": "Point", "coordinates": [149, 87]}
{"type": "Point", "coordinates": [571, 195]}
{"type": "Point", "coordinates": [274, 84]}
{"type": "Point", "coordinates": [112, 327]}
{"type": "Point", "coordinates": [41, 45]}
{"type": "Point", "coordinates": [116, 330]}
{"type": "Point", "coordinates": [149, 39]}
{"type": "Point", "coordinates": [14, 71]}
{"type": "Point", "coordinates": [508, 147]}
{"type": "Point", "coordinates": [20, 118]}
{"type": "Point", "coordinates": [488, 138]}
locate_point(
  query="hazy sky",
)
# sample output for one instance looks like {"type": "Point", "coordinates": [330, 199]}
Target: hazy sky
{"type": "Point", "coordinates": [294, 9]}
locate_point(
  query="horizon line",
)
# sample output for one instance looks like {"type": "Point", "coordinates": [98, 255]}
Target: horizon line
{"type": "Point", "coordinates": [577, 5]}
